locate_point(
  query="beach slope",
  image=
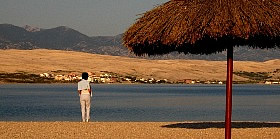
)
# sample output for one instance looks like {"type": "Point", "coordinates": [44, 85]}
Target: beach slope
{"type": "Point", "coordinates": [207, 130]}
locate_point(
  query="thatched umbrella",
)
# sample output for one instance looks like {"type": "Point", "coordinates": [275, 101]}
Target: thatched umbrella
{"type": "Point", "coordinates": [205, 27]}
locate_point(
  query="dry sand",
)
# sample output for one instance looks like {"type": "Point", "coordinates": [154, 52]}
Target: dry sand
{"type": "Point", "coordinates": [41, 60]}
{"type": "Point", "coordinates": [144, 130]}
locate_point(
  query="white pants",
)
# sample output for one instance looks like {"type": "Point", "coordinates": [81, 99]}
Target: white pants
{"type": "Point", "coordinates": [85, 106]}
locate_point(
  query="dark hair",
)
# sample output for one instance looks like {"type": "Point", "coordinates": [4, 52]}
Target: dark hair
{"type": "Point", "coordinates": [85, 75]}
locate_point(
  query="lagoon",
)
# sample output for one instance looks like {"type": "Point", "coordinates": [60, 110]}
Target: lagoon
{"type": "Point", "coordinates": [60, 102]}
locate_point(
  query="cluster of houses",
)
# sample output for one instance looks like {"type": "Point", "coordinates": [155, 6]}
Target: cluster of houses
{"type": "Point", "coordinates": [72, 77]}
{"type": "Point", "coordinates": [102, 78]}
{"type": "Point", "coordinates": [190, 81]}
{"type": "Point", "coordinates": [272, 82]}
{"type": "Point", "coordinates": [115, 78]}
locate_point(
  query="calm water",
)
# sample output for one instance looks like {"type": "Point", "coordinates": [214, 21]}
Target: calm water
{"type": "Point", "coordinates": [60, 102]}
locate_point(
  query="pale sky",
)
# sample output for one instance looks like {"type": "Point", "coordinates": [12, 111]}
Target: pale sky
{"type": "Point", "coordinates": [90, 17]}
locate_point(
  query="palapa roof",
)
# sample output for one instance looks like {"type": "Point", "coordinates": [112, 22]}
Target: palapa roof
{"type": "Point", "coordinates": [205, 26]}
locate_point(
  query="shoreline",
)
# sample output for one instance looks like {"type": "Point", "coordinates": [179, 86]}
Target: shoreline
{"type": "Point", "coordinates": [3, 83]}
{"type": "Point", "coordinates": [188, 129]}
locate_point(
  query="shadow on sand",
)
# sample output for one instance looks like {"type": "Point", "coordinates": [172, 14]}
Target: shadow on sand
{"type": "Point", "coordinates": [205, 125]}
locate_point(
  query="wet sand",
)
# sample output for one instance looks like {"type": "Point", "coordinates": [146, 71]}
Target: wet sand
{"type": "Point", "coordinates": [145, 130]}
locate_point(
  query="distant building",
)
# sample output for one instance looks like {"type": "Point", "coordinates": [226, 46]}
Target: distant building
{"type": "Point", "coordinates": [59, 77]}
{"type": "Point", "coordinates": [152, 80]}
{"type": "Point", "coordinates": [188, 81]}
{"type": "Point", "coordinates": [67, 79]}
{"type": "Point", "coordinates": [96, 79]}
{"type": "Point", "coordinates": [90, 79]}
{"type": "Point", "coordinates": [46, 75]}
{"type": "Point", "coordinates": [103, 80]}
{"type": "Point", "coordinates": [268, 82]}
{"type": "Point", "coordinates": [142, 79]}
{"type": "Point", "coordinates": [113, 80]}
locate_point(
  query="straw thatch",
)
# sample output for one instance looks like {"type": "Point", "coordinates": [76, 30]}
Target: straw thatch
{"type": "Point", "coordinates": [205, 26]}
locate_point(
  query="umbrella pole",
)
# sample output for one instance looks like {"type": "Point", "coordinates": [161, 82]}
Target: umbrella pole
{"type": "Point", "coordinates": [229, 93]}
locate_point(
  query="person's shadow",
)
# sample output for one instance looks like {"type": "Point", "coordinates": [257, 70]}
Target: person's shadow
{"type": "Point", "coordinates": [205, 125]}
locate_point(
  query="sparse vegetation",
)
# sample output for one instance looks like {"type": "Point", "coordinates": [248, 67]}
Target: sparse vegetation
{"type": "Point", "coordinates": [23, 77]}
{"type": "Point", "coordinates": [254, 77]}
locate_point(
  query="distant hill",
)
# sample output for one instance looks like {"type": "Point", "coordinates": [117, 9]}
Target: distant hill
{"type": "Point", "coordinates": [65, 38]}
{"type": "Point", "coordinates": [65, 62]}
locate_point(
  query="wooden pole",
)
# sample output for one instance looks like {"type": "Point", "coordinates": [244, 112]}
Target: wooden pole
{"type": "Point", "coordinates": [229, 93]}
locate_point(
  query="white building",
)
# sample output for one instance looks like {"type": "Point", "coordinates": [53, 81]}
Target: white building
{"type": "Point", "coordinates": [268, 82]}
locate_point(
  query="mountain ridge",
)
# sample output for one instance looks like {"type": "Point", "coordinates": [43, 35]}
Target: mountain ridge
{"type": "Point", "coordinates": [65, 38]}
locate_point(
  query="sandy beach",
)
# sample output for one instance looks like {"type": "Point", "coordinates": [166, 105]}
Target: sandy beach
{"type": "Point", "coordinates": [190, 130]}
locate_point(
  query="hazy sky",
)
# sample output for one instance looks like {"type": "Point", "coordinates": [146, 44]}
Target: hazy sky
{"type": "Point", "coordinates": [91, 17]}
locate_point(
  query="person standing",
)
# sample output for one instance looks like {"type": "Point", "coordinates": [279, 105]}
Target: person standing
{"type": "Point", "coordinates": [84, 90]}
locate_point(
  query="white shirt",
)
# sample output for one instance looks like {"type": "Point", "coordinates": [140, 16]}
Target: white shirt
{"type": "Point", "coordinates": [83, 85]}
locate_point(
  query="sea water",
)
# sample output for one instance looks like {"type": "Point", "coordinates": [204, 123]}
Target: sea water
{"type": "Point", "coordinates": [60, 102]}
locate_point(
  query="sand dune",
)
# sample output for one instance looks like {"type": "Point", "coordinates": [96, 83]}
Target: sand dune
{"type": "Point", "coordinates": [41, 60]}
